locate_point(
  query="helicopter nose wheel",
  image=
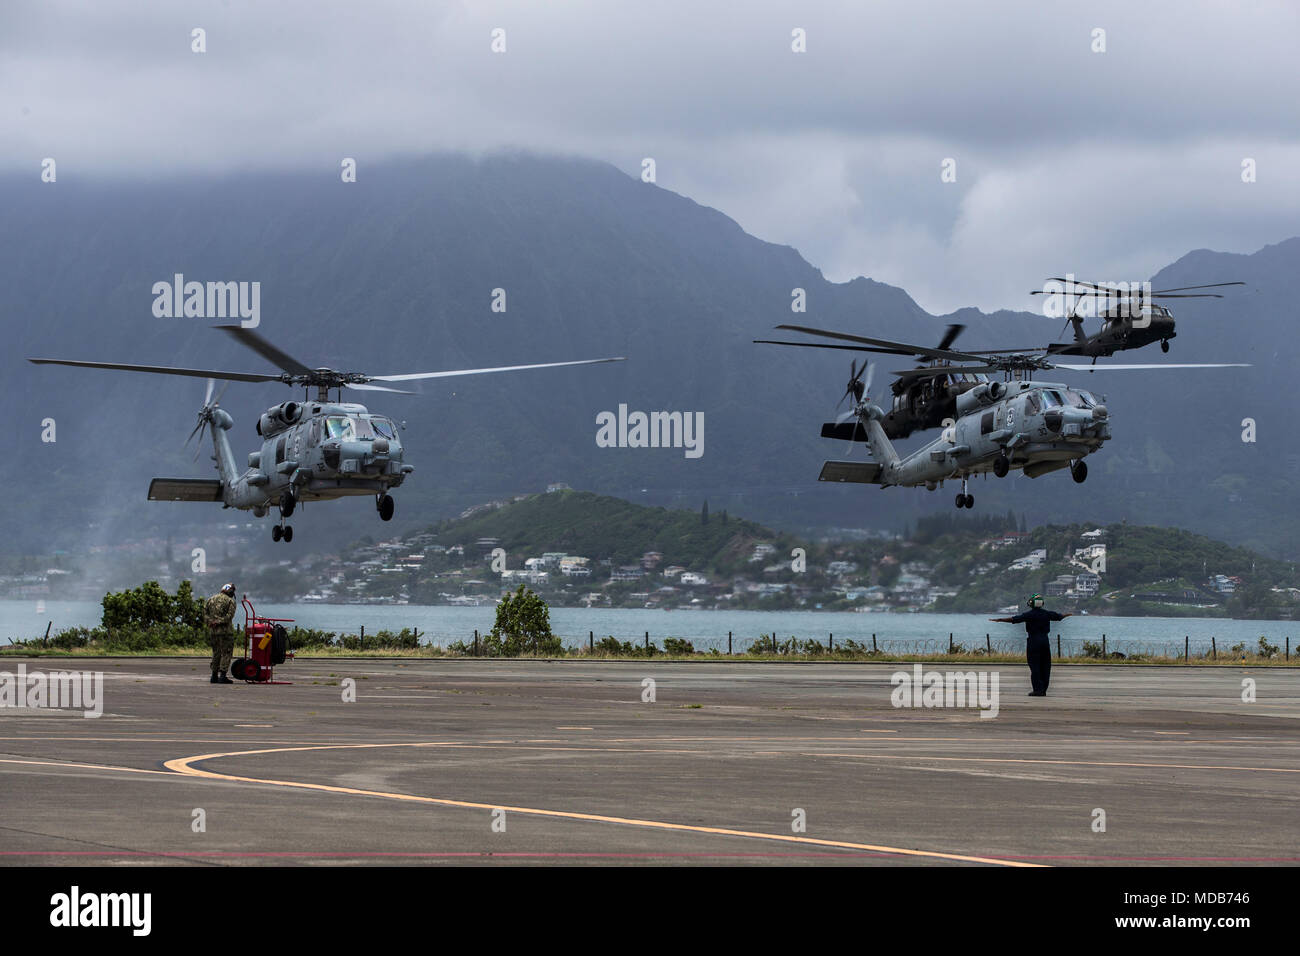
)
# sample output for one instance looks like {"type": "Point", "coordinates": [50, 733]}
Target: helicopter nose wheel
{"type": "Point", "coordinates": [288, 501]}
{"type": "Point", "coordinates": [1079, 471]}
{"type": "Point", "coordinates": [282, 532]}
{"type": "Point", "coordinates": [385, 505]}
{"type": "Point", "coordinates": [1164, 345]}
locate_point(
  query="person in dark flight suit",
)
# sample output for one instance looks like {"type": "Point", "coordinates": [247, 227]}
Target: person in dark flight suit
{"type": "Point", "coordinates": [1038, 648]}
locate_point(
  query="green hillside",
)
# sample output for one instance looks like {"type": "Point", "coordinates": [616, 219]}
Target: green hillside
{"type": "Point", "coordinates": [600, 527]}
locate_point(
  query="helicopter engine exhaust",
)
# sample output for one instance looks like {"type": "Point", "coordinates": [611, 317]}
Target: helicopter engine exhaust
{"type": "Point", "coordinates": [278, 418]}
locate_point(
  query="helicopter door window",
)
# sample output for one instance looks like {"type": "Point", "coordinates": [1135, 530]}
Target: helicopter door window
{"type": "Point", "coordinates": [1032, 405]}
{"type": "Point", "coordinates": [383, 428]}
{"type": "Point", "coordinates": [341, 428]}
{"type": "Point", "coordinates": [986, 423]}
{"type": "Point", "coordinates": [279, 450]}
{"type": "Point", "coordinates": [314, 438]}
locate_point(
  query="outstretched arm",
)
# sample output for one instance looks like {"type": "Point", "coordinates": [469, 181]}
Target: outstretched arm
{"type": "Point", "coordinates": [1001, 620]}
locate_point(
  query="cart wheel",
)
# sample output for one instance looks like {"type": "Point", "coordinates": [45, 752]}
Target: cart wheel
{"type": "Point", "coordinates": [237, 668]}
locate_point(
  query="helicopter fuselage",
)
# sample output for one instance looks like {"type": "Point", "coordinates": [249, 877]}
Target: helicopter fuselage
{"type": "Point", "coordinates": [313, 450]}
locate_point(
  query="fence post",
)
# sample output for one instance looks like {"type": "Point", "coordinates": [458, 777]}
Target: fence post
{"type": "Point", "coordinates": [591, 642]}
{"type": "Point", "coordinates": [1103, 646]}
{"type": "Point", "coordinates": [832, 647]}
{"type": "Point", "coordinates": [363, 634]}
{"type": "Point", "coordinates": [1288, 647]}
{"type": "Point", "coordinates": [476, 642]}
{"type": "Point", "coordinates": [950, 642]}
{"type": "Point", "coordinates": [1187, 648]}
{"type": "Point", "coordinates": [873, 643]}
{"type": "Point", "coordinates": [1058, 645]}
{"type": "Point", "coordinates": [988, 644]}
{"type": "Point", "coordinates": [647, 640]}
{"type": "Point", "coordinates": [728, 643]}
{"type": "Point", "coordinates": [1214, 651]}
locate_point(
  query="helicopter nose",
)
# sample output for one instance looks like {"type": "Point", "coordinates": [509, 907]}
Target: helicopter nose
{"type": "Point", "coordinates": [1100, 413]}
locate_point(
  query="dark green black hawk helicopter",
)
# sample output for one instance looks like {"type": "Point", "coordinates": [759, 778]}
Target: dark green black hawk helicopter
{"type": "Point", "coordinates": [313, 450]}
{"type": "Point", "coordinates": [1129, 317]}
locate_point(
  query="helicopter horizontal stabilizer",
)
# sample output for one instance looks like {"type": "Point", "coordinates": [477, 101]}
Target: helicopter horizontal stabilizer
{"type": "Point", "coordinates": [185, 489]}
{"type": "Point", "coordinates": [844, 431]}
{"type": "Point", "coordinates": [860, 472]}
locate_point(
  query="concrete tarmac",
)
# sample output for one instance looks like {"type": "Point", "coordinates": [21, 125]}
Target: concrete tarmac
{"type": "Point", "coordinates": [527, 762]}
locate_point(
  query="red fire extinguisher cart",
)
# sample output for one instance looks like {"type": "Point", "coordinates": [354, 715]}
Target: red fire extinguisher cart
{"type": "Point", "coordinates": [266, 644]}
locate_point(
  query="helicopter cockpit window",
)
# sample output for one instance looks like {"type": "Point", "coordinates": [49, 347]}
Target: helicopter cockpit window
{"type": "Point", "coordinates": [1051, 399]}
{"type": "Point", "coordinates": [383, 428]}
{"type": "Point", "coordinates": [1079, 399]}
{"type": "Point", "coordinates": [337, 426]}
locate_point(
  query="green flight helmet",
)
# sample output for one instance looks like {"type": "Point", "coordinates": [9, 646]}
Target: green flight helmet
{"type": "Point", "coordinates": [1035, 600]}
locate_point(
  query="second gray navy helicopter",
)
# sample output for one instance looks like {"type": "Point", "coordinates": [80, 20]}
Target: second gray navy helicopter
{"type": "Point", "coordinates": [1018, 423]}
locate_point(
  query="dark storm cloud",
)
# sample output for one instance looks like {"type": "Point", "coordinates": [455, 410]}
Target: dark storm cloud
{"type": "Point", "coordinates": [1066, 158]}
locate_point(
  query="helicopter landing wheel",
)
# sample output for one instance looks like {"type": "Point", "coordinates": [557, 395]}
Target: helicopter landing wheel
{"type": "Point", "coordinates": [1079, 471]}
{"type": "Point", "coordinates": [1001, 466]}
{"type": "Point", "coordinates": [970, 501]}
{"type": "Point", "coordinates": [288, 533]}
{"type": "Point", "coordinates": [961, 501]}
{"type": "Point", "coordinates": [287, 503]}
{"type": "Point", "coordinates": [1164, 345]}
{"type": "Point", "coordinates": [276, 533]}
{"type": "Point", "coordinates": [386, 506]}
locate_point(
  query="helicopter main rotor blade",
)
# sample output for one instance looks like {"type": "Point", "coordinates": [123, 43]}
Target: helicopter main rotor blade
{"type": "Point", "coordinates": [1187, 288]}
{"type": "Point", "coordinates": [165, 370]}
{"type": "Point", "coordinates": [1102, 368]}
{"type": "Point", "coordinates": [950, 335]}
{"type": "Point", "coordinates": [827, 345]}
{"type": "Point", "coordinates": [265, 349]}
{"type": "Point", "coordinates": [931, 372]}
{"type": "Point", "coordinates": [482, 371]}
{"type": "Point", "coordinates": [886, 343]}
{"type": "Point", "coordinates": [378, 388]}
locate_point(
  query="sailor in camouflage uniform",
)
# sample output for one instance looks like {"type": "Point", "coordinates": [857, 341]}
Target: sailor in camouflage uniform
{"type": "Point", "coordinates": [219, 612]}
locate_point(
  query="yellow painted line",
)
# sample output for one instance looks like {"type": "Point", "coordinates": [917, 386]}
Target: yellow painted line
{"type": "Point", "coordinates": [1071, 763]}
{"type": "Point", "coordinates": [185, 765]}
{"type": "Point", "coordinates": [87, 766]}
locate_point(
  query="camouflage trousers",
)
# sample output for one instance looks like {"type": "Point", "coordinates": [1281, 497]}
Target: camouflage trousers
{"type": "Point", "coordinates": [223, 648]}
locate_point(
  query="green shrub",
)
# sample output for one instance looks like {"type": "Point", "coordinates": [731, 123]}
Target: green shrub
{"type": "Point", "coordinates": [523, 626]}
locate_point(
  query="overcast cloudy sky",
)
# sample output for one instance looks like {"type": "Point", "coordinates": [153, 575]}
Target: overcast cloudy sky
{"type": "Point", "coordinates": [1108, 164]}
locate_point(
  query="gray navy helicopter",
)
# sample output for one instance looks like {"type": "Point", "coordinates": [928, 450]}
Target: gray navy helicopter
{"type": "Point", "coordinates": [1017, 423]}
{"type": "Point", "coordinates": [313, 450]}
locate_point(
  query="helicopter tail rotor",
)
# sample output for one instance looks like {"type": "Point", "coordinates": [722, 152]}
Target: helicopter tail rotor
{"type": "Point", "coordinates": [210, 402]}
